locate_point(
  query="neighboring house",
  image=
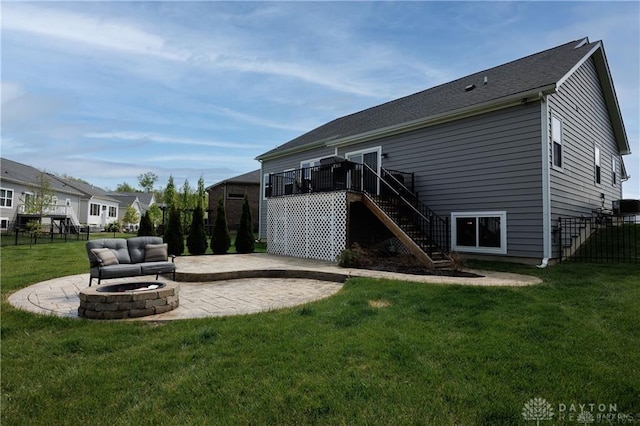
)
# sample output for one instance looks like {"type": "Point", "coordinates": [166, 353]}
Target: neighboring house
{"type": "Point", "coordinates": [19, 182]}
{"type": "Point", "coordinates": [97, 207]}
{"type": "Point", "coordinates": [485, 164]}
{"type": "Point", "coordinates": [140, 201]}
{"type": "Point", "coordinates": [232, 191]}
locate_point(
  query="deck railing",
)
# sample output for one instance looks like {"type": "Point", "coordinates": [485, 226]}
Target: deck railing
{"type": "Point", "coordinates": [392, 190]}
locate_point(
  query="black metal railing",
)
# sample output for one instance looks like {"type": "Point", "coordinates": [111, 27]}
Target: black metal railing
{"type": "Point", "coordinates": [600, 239]}
{"type": "Point", "coordinates": [392, 191]}
{"type": "Point", "coordinates": [426, 228]}
{"type": "Point", "coordinates": [324, 178]}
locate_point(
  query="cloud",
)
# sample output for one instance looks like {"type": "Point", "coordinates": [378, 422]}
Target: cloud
{"type": "Point", "coordinates": [155, 138]}
{"type": "Point", "coordinates": [85, 29]}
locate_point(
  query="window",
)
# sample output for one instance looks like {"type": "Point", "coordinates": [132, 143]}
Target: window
{"type": "Point", "coordinates": [614, 170]}
{"type": "Point", "coordinates": [94, 209]}
{"type": "Point", "coordinates": [6, 198]}
{"type": "Point", "coordinates": [556, 138]}
{"type": "Point", "coordinates": [479, 232]}
{"type": "Point", "coordinates": [113, 212]}
{"type": "Point", "coordinates": [368, 179]}
{"type": "Point", "coordinates": [266, 184]}
{"type": "Point", "coordinates": [4, 224]}
{"type": "Point", "coordinates": [235, 196]}
{"type": "Point", "coordinates": [598, 170]}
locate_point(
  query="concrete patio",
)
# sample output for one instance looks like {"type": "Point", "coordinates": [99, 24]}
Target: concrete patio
{"type": "Point", "coordinates": [213, 286]}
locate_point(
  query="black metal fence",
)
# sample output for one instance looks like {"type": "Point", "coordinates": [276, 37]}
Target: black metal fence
{"type": "Point", "coordinates": [600, 239]}
{"type": "Point", "coordinates": [15, 234]}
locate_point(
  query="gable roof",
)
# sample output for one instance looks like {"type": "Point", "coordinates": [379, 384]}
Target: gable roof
{"type": "Point", "coordinates": [252, 177]}
{"type": "Point", "coordinates": [128, 198]}
{"type": "Point", "coordinates": [89, 190]}
{"type": "Point", "coordinates": [529, 77]}
{"type": "Point", "coordinates": [19, 173]}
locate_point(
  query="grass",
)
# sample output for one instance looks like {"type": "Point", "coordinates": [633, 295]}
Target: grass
{"type": "Point", "coordinates": [612, 243]}
{"type": "Point", "coordinates": [379, 352]}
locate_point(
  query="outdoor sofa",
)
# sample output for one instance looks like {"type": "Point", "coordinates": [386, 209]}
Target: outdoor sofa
{"type": "Point", "coordinates": [120, 258]}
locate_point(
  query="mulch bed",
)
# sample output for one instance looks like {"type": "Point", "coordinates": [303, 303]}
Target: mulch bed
{"type": "Point", "coordinates": [406, 264]}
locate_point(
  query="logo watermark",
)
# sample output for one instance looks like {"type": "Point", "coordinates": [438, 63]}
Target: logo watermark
{"type": "Point", "coordinates": [540, 410]}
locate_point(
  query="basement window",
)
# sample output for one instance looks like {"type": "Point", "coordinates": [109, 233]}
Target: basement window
{"type": "Point", "coordinates": [479, 232]}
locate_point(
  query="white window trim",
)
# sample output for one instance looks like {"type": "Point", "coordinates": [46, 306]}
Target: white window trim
{"type": "Point", "coordinates": [560, 142]}
{"type": "Point", "coordinates": [265, 177]}
{"type": "Point", "coordinates": [484, 250]}
{"type": "Point", "coordinates": [377, 149]}
{"type": "Point", "coordinates": [597, 162]}
{"type": "Point", "coordinates": [4, 219]}
{"type": "Point", "coordinates": [615, 176]}
{"type": "Point", "coordinates": [9, 198]}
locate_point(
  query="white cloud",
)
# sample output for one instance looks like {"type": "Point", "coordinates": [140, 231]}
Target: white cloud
{"type": "Point", "coordinates": [155, 138]}
{"type": "Point", "coordinates": [85, 29]}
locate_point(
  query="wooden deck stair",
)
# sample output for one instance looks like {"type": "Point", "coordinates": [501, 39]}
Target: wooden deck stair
{"type": "Point", "coordinates": [400, 224]}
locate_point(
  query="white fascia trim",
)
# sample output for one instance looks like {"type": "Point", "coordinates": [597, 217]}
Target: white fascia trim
{"type": "Point", "coordinates": [611, 99]}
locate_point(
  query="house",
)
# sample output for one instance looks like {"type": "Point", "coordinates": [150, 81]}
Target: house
{"type": "Point", "coordinates": [97, 207]}
{"type": "Point", "coordinates": [484, 165]}
{"type": "Point", "coordinates": [20, 183]}
{"type": "Point", "coordinates": [232, 191]}
{"type": "Point", "coordinates": [140, 201]}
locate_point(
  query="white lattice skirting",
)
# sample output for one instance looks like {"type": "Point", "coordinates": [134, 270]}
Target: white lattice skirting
{"type": "Point", "coordinates": [311, 225]}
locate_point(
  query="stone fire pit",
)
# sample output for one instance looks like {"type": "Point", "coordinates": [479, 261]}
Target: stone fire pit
{"type": "Point", "coordinates": [128, 300]}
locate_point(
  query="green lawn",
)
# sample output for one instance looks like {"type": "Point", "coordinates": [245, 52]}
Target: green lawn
{"type": "Point", "coordinates": [379, 352]}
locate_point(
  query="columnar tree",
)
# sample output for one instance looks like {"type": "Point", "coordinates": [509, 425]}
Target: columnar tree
{"type": "Point", "coordinates": [245, 240]}
{"type": "Point", "coordinates": [173, 234]}
{"type": "Point", "coordinates": [221, 240]}
{"type": "Point", "coordinates": [197, 238]}
{"type": "Point", "coordinates": [146, 226]}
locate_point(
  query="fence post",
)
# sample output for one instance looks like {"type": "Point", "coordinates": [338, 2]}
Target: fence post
{"type": "Point", "coordinates": [560, 238]}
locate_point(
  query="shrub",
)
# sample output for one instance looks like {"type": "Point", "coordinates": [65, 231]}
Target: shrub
{"type": "Point", "coordinates": [245, 240]}
{"type": "Point", "coordinates": [355, 257]}
{"type": "Point", "coordinates": [197, 238]}
{"type": "Point", "coordinates": [146, 226]}
{"type": "Point", "coordinates": [221, 240]}
{"type": "Point", "coordinates": [173, 235]}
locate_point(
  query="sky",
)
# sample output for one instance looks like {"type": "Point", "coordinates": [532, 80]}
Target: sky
{"type": "Point", "coordinates": [106, 91]}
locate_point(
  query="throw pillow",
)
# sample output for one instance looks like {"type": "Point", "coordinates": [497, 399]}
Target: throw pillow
{"type": "Point", "coordinates": [156, 252]}
{"type": "Point", "coordinates": [106, 256]}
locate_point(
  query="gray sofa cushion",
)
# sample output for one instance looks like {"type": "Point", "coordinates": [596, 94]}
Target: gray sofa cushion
{"type": "Point", "coordinates": [137, 247]}
{"type": "Point", "coordinates": [119, 271]}
{"type": "Point", "coordinates": [149, 268]}
{"type": "Point", "coordinates": [117, 245]}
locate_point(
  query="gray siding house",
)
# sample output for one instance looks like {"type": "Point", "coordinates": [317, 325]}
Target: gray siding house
{"type": "Point", "coordinates": [19, 183]}
{"type": "Point", "coordinates": [497, 157]}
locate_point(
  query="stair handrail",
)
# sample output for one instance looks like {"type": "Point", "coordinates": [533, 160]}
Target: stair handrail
{"type": "Point", "coordinates": [396, 192]}
{"type": "Point", "coordinates": [429, 213]}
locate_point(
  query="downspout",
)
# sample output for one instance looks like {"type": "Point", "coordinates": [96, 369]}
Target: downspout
{"type": "Point", "coordinates": [546, 182]}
